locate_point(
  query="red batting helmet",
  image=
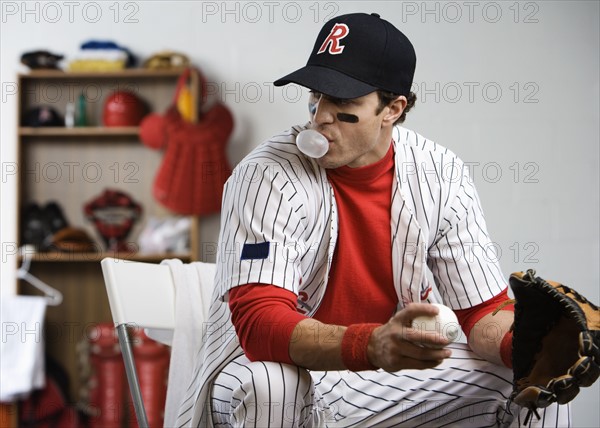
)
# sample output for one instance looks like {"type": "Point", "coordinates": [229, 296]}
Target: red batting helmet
{"type": "Point", "coordinates": [123, 108]}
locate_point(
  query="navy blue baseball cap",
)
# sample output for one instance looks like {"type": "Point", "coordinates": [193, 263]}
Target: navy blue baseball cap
{"type": "Point", "coordinates": [357, 54]}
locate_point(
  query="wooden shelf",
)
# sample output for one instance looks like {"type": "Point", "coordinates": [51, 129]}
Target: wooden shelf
{"type": "Point", "coordinates": [58, 257]}
{"type": "Point", "coordinates": [125, 73]}
{"type": "Point", "coordinates": [88, 131]}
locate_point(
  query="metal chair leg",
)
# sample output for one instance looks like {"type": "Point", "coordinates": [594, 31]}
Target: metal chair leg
{"type": "Point", "coordinates": [132, 378]}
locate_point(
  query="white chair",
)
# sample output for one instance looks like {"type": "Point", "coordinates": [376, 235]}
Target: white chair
{"type": "Point", "coordinates": [143, 294]}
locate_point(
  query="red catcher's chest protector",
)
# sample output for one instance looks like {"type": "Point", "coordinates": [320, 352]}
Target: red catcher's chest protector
{"type": "Point", "coordinates": [195, 167]}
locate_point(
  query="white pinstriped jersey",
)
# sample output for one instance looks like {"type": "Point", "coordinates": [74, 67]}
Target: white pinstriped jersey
{"type": "Point", "coordinates": [279, 226]}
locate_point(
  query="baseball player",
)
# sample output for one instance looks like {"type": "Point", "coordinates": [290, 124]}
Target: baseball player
{"type": "Point", "coordinates": [323, 262]}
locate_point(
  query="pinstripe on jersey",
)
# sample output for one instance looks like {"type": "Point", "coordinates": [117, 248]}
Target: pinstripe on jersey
{"type": "Point", "coordinates": [276, 195]}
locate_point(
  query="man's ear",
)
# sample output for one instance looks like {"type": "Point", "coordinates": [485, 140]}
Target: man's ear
{"type": "Point", "coordinates": [394, 110]}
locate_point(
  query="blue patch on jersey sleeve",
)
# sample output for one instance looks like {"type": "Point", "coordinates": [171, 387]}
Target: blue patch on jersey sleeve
{"type": "Point", "coordinates": [255, 251]}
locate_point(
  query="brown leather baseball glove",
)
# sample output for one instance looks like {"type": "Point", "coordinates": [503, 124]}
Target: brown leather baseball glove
{"type": "Point", "coordinates": [556, 342]}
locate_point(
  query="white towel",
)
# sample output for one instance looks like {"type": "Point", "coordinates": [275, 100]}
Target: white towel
{"type": "Point", "coordinates": [193, 291]}
{"type": "Point", "coordinates": [21, 346]}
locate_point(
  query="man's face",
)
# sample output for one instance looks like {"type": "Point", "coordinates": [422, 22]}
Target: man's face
{"type": "Point", "coordinates": [357, 135]}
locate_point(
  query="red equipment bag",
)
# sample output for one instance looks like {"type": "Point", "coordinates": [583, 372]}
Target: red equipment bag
{"type": "Point", "coordinates": [152, 365]}
{"type": "Point", "coordinates": [195, 167]}
{"type": "Point", "coordinates": [107, 383]}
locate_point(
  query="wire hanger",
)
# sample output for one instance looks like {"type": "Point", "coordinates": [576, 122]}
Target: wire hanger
{"type": "Point", "coordinates": [53, 296]}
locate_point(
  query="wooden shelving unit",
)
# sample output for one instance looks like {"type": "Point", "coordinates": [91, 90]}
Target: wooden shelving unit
{"type": "Point", "coordinates": [90, 131]}
{"type": "Point", "coordinates": [90, 257]}
{"type": "Point", "coordinates": [71, 166]}
{"type": "Point", "coordinates": [128, 73]}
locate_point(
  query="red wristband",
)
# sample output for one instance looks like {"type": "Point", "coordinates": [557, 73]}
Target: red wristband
{"type": "Point", "coordinates": [506, 349]}
{"type": "Point", "coordinates": [354, 347]}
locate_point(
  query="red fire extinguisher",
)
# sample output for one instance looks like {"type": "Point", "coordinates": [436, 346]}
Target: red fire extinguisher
{"type": "Point", "coordinates": [107, 380]}
{"type": "Point", "coordinates": [152, 365]}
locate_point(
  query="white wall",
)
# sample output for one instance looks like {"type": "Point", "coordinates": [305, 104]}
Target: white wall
{"type": "Point", "coordinates": [511, 87]}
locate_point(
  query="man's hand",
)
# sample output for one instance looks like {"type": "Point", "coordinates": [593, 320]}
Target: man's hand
{"type": "Point", "coordinates": [396, 345]}
{"type": "Point", "coordinates": [393, 346]}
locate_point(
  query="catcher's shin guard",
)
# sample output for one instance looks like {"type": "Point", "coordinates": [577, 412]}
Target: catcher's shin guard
{"type": "Point", "coordinates": [152, 365]}
{"type": "Point", "coordinates": [556, 342]}
{"type": "Point", "coordinates": [107, 381]}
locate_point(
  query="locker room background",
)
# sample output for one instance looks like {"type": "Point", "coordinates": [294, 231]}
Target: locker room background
{"type": "Point", "coordinates": [511, 87]}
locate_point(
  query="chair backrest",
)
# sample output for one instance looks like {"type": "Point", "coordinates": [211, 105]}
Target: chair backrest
{"type": "Point", "coordinates": [140, 293]}
{"type": "Point", "coordinates": [143, 295]}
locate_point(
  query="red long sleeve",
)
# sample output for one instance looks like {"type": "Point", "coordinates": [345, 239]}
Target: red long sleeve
{"type": "Point", "coordinates": [468, 317]}
{"type": "Point", "coordinates": [264, 317]}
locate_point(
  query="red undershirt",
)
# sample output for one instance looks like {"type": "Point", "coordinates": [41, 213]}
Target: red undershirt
{"type": "Point", "coordinates": [360, 288]}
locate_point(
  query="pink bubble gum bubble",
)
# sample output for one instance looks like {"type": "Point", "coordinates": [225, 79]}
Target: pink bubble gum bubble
{"type": "Point", "coordinates": [312, 143]}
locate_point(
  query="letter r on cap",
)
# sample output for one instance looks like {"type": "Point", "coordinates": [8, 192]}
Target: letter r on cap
{"type": "Point", "coordinates": [332, 42]}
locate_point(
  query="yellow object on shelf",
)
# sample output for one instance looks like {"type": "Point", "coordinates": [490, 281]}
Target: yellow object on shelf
{"type": "Point", "coordinates": [166, 60]}
{"type": "Point", "coordinates": [96, 65]}
{"type": "Point", "coordinates": [186, 104]}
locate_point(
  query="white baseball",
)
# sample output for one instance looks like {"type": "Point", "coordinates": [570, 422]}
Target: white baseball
{"type": "Point", "coordinates": [445, 323]}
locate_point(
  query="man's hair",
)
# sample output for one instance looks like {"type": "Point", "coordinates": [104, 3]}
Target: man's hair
{"type": "Point", "coordinates": [385, 98]}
